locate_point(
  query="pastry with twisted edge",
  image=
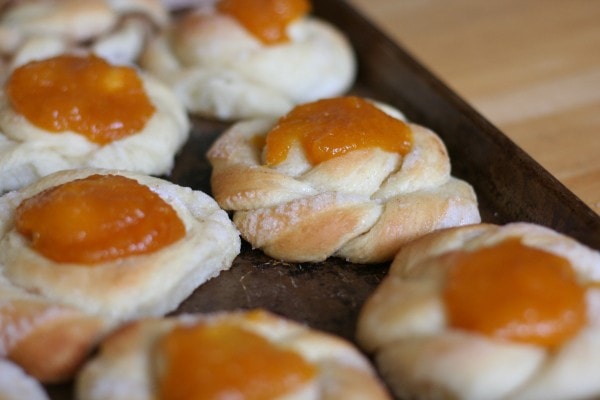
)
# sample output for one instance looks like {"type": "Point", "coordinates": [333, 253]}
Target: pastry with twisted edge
{"type": "Point", "coordinates": [113, 29]}
{"type": "Point", "coordinates": [361, 202]}
{"type": "Point", "coordinates": [82, 251]}
{"type": "Point", "coordinates": [224, 64]}
{"type": "Point", "coordinates": [251, 355]}
{"type": "Point", "coordinates": [56, 134]}
{"type": "Point", "coordinates": [488, 312]}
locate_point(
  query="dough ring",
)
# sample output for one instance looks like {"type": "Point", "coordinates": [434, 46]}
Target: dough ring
{"type": "Point", "coordinates": [219, 70]}
{"type": "Point", "coordinates": [126, 365]}
{"type": "Point", "coordinates": [71, 305]}
{"type": "Point", "coordinates": [113, 29]}
{"type": "Point", "coordinates": [404, 324]}
{"type": "Point", "coordinates": [28, 152]}
{"type": "Point", "coordinates": [361, 206]}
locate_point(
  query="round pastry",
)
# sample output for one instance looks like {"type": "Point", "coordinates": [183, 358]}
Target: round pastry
{"type": "Point", "coordinates": [234, 59]}
{"type": "Point", "coordinates": [113, 29]}
{"type": "Point", "coordinates": [488, 312]}
{"type": "Point", "coordinates": [337, 177]}
{"type": "Point", "coordinates": [249, 355]}
{"type": "Point", "coordinates": [15, 384]}
{"type": "Point", "coordinates": [100, 247]}
{"type": "Point", "coordinates": [74, 111]}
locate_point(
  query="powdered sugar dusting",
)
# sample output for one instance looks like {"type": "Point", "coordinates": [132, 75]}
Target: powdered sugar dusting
{"type": "Point", "coordinates": [17, 324]}
{"type": "Point", "coordinates": [268, 222]}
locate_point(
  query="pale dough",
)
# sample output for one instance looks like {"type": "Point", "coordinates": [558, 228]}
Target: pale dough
{"type": "Point", "coordinates": [403, 325]}
{"type": "Point", "coordinates": [113, 29]}
{"type": "Point", "coordinates": [219, 70]}
{"type": "Point", "coordinates": [15, 384]}
{"type": "Point", "coordinates": [35, 290]}
{"type": "Point", "coordinates": [125, 367]}
{"type": "Point", "coordinates": [28, 153]}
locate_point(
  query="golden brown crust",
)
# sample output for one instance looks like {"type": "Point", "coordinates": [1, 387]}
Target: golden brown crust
{"type": "Point", "coordinates": [54, 349]}
{"type": "Point", "coordinates": [121, 368]}
{"type": "Point", "coordinates": [220, 70]}
{"type": "Point", "coordinates": [48, 340]}
{"type": "Point", "coordinates": [73, 304]}
{"type": "Point", "coordinates": [361, 206]}
{"type": "Point", "coordinates": [403, 324]}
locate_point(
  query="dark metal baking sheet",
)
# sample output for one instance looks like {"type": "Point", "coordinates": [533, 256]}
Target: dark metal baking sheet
{"type": "Point", "coordinates": [327, 296]}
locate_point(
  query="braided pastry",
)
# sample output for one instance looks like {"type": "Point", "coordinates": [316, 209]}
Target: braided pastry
{"type": "Point", "coordinates": [488, 312]}
{"type": "Point", "coordinates": [78, 128]}
{"type": "Point", "coordinates": [114, 29]}
{"type": "Point", "coordinates": [361, 205]}
{"type": "Point", "coordinates": [222, 69]}
{"type": "Point", "coordinates": [82, 251]}
{"type": "Point", "coordinates": [250, 355]}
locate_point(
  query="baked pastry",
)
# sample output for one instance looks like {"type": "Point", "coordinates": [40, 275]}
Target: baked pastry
{"type": "Point", "coordinates": [93, 114]}
{"type": "Point", "coordinates": [488, 312]}
{"type": "Point", "coordinates": [91, 249]}
{"type": "Point", "coordinates": [250, 355]}
{"type": "Point", "coordinates": [113, 29]}
{"type": "Point", "coordinates": [337, 177]}
{"type": "Point", "coordinates": [17, 385]}
{"type": "Point", "coordinates": [235, 59]}
{"type": "Point", "coordinates": [45, 338]}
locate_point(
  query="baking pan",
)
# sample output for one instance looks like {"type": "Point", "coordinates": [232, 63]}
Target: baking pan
{"type": "Point", "coordinates": [509, 184]}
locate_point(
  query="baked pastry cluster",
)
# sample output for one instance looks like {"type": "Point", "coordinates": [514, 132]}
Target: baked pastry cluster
{"type": "Point", "coordinates": [115, 30]}
{"type": "Point", "coordinates": [95, 252]}
{"type": "Point", "coordinates": [234, 59]}
{"type": "Point", "coordinates": [250, 354]}
{"type": "Point", "coordinates": [488, 312]}
{"type": "Point", "coordinates": [82, 251]}
{"type": "Point", "coordinates": [342, 177]}
{"type": "Point", "coordinates": [77, 111]}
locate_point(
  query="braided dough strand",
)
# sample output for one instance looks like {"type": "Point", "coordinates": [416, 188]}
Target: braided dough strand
{"type": "Point", "coordinates": [48, 340]}
{"type": "Point", "coordinates": [113, 29]}
{"type": "Point", "coordinates": [361, 206]}
{"type": "Point", "coordinates": [404, 325]}
{"type": "Point", "coordinates": [220, 70]}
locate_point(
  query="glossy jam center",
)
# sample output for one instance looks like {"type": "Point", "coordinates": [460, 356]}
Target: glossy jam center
{"type": "Point", "coordinates": [515, 292]}
{"type": "Point", "coordinates": [80, 94]}
{"type": "Point", "coordinates": [97, 219]}
{"type": "Point", "coordinates": [213, 361]}
{"type": "Point", "coordinates": [265, 19]}
{"type": "Point", "coordinates": [332, 127]}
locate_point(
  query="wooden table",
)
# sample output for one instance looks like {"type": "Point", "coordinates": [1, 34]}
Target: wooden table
{"type": "Point", "coordinates": [531, 67]}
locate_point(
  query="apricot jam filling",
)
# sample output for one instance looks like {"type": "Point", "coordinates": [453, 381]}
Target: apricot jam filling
{"type": "Point", "coordinates": [211, 361]}
{"type": "Point", "coordinates": [97, 219]}
{"type": "Point", "coordinates": [517, 293]}
{"type": "Point", "coordinates": [329, 128]}
{"type": "Point", "coordinates": [267, 20]}
{"type": "Point", "coordinates": [85, 95]}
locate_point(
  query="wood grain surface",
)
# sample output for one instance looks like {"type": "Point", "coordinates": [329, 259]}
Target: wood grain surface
{"type": "Point", "coordinates": [532, 68]}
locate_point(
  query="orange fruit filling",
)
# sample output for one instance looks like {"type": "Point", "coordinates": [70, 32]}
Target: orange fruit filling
{"type": "Point", "coordinates": [514, 292]}
{"type": "Point", "coordinates": [332, 127]}
{"type": "Point", "coordinates": [85, 95]}
{"type": "Point", "coordinates": [211, 361]}
{"type": "Point", "coordinates": [265, 19]}
{"type": "Point", "coordinates": [97, 219]}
